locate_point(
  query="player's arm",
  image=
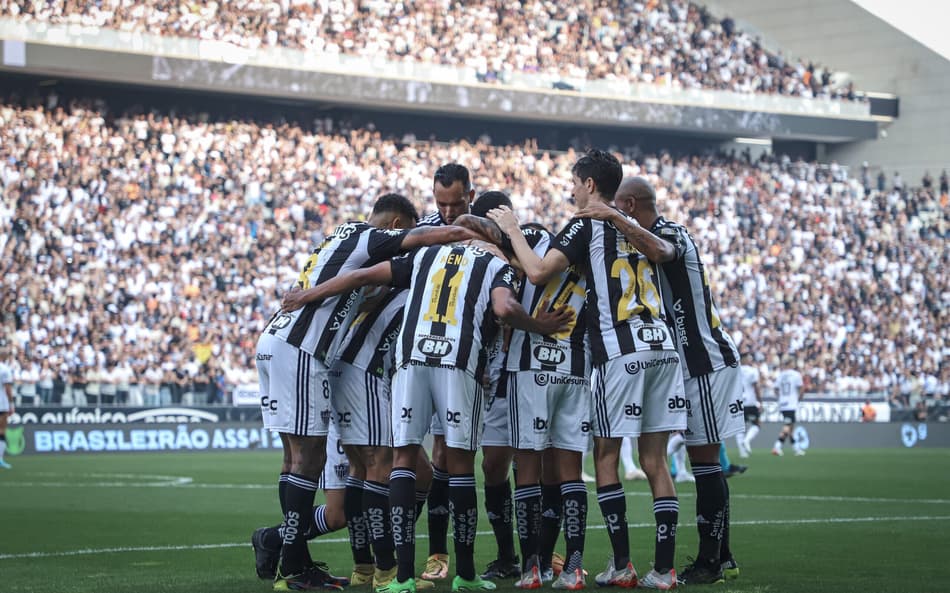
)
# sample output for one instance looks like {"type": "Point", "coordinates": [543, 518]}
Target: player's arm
{"type": "Point", "coordinates": [510, 311]}
{"type": "Point", "coordinates": [539, 271]}
{"type": "Point", "coordinates": [424, 236]}
{"type": "Point", "coordinates": [8, 387]}
{"type": "Point", "coordinates": [488, 229]}
{"type": "Point", "coordinates": [656, 249]}
{"type": "Point", "coordinates": [381, 273]}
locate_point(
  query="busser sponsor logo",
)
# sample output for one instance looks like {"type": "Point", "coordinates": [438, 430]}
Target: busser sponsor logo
{"type": "Point", "coordinates": [635, 366]}
{"type": "Point", "coordinates": [343, 313]}
{"type": "Point", "coordinates": [434, 346]}
{"type": "Point", "coordinates": [280, 322]}
{"type": "Point", "coordinates": [549, 354]}
{"type": "Point", "coordinates": [679, 317]}
{"type": "Point", "coordinates": [652, 335]}
{"type": "Point", "coordinates": [544, 379]}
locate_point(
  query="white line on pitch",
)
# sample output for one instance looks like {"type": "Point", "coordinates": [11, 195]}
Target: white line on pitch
{"type": "Point", "coordinates": [337, 540]}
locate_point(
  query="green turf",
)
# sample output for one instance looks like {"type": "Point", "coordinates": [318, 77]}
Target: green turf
{"type": "Point", "coordinates": [836, 520]}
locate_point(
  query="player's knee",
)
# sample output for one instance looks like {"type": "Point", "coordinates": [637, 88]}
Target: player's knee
{"type": "Point", "coordinates": [335, 517]}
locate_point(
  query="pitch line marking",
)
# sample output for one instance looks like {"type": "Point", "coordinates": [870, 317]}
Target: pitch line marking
{"type": "Point", "coordinates": [339, 540]}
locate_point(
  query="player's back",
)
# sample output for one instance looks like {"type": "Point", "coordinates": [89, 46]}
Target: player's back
{"type": "Point", "coordinates": [448, 317]}
{"type": "Point", "coordinates": [703, 344]}
{"type": "Point", "coordinates": [565, 352]}
{"type": "Point", "coordinates": [789, 385]}
{"type": "Point", "coordinates": [624, 305]}
{"type": "Point", "coordinates": [316, 327]}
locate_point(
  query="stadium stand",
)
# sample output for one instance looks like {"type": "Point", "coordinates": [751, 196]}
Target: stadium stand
{"type": "Point", "coordinates": [148, 250]}
{"type": "Point", "coordinates": [669, 43]}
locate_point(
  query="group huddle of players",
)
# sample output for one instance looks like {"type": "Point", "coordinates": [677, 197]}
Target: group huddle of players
{"type": "Point", "coordinates": [501, 337]}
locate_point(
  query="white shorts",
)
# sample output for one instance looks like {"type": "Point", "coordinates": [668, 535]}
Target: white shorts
{"type": "Point", "coordinates": [715, 407]}
{"type": "Point", "coordinates": [452, 396]}
{"type": "Point", "coordinates": [337, 467]}
{"type": "Point", "coordinates": [549, 410]}
{"type": "Point", "coordinates": [496, 419]}
{"type": "Point", "coordinates": [4, 402]}
{"type": "Point", "coordinates": [638, 393]}
{"type": "Point", "coordinates": [361, 406]}
{"type": "Point", "coordinates": [295, 389]}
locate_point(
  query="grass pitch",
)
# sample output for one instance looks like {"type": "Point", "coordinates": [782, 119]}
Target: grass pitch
{"type": "Point", "coordinates": [836, 520]}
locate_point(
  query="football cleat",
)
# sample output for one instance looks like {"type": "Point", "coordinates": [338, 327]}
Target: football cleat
{"type": "Point", "coordinates": [699, 573]}
{"type": "Point", "coordinates": [501, 568]}
{"type": "Point", "coordinates": [685, 477]}
{"type": "Point", "coordinates": [315, 578]}
{"type": "Point", "coordinates": [735, 469]}
{"type": "Point", "coordinates": [572, 581]}
{"type": "Point", "coordinates": [530, 577]}
{"type": "Point", "coordinates": [799, 452]}
{"type": "Point", "coordinates": [362, 574]}
{"type": "Point", "coordinates": [265, 559]}
{"type": "Point", "coordinates": [635, 474]}
{"type": "Point", "coordinates": [777, 452]}
{"type": "Point", "coordinates": [730, 570]}
{"type": "Point", "coordinates": [437, 567]}
{"type": "Point", "coordinates": [547, 575]}
{"type": "Point", "coordinates": [394, 586]}
{"type": "Point", "coordinates": [625, 577]}
{"type": "Point", "coordinates": [663, 582]}
{"type": "Point", "coordinates": [460, 585]}
{"type": "Point", "coordinates": [5, 465]}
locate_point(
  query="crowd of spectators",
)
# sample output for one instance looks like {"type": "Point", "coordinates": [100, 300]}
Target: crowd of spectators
{"type": "Point", "coordinates": [664, 42]}
{"type": "Point", "coordinates": [149, 250]}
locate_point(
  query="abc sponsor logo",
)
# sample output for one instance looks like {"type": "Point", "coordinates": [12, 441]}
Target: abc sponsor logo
{"type": "Point", "coordinates": [634, 410]}
{"type": "Point", "coordinates": [540, 424]}
{"type": "Point", "coordinates": [549, 355]}
{"type": "Point", "coordinates": [344, 418]}
{"type": "Point", "coordinates": [586, 427]}
{"type": "Point", "coordinates": [406, 414]}
{"type": "Point", "coordinates": [453, 417]}
{"type": "Point", "coordinates": [434, 346]}
{"type": "Point", "coordinates": [736, 408]}
{"type": "Point", "coordinates": [677, 404]}
{"type": "Point", "coordinates": [652, 335]}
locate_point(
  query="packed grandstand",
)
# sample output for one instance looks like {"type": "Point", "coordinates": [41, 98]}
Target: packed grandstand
{"type": "Point", "coordinates": [149, 249]}
{"type": "Point", "coordinates": [667, 43]}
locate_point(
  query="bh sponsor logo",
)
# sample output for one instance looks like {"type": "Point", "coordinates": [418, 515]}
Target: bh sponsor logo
{"type": "Point", "coordinates": [652, 335]}
{"type": "Point", "coordinates": [434, 346]}
{"type": "Point", "coordinates": [549, 355]}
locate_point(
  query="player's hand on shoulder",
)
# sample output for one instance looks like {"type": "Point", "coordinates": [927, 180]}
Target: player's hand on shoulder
{"type": "Point", "coordinates": [505, 219]}
{"type": "Point", "coordinates": [598, 211]}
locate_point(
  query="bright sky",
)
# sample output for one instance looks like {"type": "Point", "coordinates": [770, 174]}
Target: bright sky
{"type": "Point", "coordinates": [927, 21]}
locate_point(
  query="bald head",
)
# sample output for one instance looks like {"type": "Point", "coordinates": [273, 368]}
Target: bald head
{"type": "Point", "coordinates": [636, 198]}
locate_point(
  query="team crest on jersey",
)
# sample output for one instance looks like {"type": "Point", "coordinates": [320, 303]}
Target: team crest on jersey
{"type": "Point", "coordinates": [281, 321]}
{"type": "Point", "coordinates": [344, 231]}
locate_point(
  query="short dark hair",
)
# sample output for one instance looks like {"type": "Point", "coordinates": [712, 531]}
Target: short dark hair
{"type": "Point", "coordinates": [490, 200]}
{"type": "Point", "coordinates": [397, 204]}
{"type": "Point", "coordinates": [449, 173]}
{"type": "Point", "coordinates": [603, 168]}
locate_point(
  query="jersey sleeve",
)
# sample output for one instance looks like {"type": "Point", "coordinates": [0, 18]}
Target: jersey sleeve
{"type": "Point", "coordinates": [384, 244]}
{"type": "Point", "coordinates": [574, 240]}
{"type": "Point", "coordinates": [402, 269]}
{"type": "Point", "coordinates": [506, 277]}
{"type": "Point", "coordinates": [676, 235]}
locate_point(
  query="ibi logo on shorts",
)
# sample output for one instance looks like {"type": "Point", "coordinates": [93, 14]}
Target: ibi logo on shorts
{"type": "Point", "coordinates": [434, 346]}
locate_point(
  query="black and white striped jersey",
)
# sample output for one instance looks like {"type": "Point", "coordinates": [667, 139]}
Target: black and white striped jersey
{"type": "Point", "coordinates": [624, 305]}
{"type": "Point", "coordinates": [565, 352]}
{"type": "Point", "coordinates": [316, 328]}
{"type": "Point", "coordinates": [704, 346]}
{"type": "Point", "coordinates": [448, 318]}
{"type": "Point", "coordinates": [370, 341]}
{"type": "Point", "coordinates": [431, 219]}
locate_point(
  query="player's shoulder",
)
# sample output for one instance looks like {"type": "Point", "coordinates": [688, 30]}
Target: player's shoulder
{"type": "Point", "coordinates": [667, 228]}
{"type": "Point", "coordinates": [575, 228]}
{"type": "Point", "coordinates": [431, 219]}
